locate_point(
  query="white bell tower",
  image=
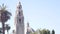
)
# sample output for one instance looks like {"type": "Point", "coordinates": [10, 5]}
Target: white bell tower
{"type": "Point", "coordinates": [19, 19]}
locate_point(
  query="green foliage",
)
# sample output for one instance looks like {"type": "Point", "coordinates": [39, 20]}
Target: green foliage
{"type": "Point", "coordinates": [48, 32]}
{"type": "Point", "coordinates": [53, 32]}
{"type": "Point", "coordinates": [7, 27]}
{"type": "Point", "coordinates": [40, 31]}
{"type": "Point", "coordinates": [44, 31]}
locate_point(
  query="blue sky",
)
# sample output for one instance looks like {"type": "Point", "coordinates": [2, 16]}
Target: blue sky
{"type": "Point", "coordinates": [39, 13]}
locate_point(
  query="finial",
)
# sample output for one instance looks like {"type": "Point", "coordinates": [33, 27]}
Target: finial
{"type": "Point", "coordinates": [19, 5]}
{"type": "Point", "coordinates": [19, 2]}
{"type": "Point", "coordinates": [27, 24]}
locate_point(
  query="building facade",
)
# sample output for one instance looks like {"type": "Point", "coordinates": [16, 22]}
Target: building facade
{"type": "Point", "coordinates": [19, 22]}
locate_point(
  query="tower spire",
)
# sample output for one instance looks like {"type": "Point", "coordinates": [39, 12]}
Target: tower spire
{"type": "Point", "coordinates": [19, 19]}
{"type": "Point", "coordinates": [19, 9]}
{"type": "Point", "coordinates": [19, 6]}
{"type": "Point", "coordinates": [27, 24]}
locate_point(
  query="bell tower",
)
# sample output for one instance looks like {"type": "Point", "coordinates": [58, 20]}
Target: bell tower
{"type": "Point", "coordinates": [19, 19]}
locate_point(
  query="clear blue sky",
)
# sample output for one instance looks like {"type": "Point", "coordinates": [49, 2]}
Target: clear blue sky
{"type": "Point", "coordinates": [39, 13]}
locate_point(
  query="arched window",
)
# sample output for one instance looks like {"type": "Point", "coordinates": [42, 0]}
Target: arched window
{"type": "Point", "coordinates": [19, 20]}
{"type": "Point", "coordinates": [19, 13]}
{"type": "Point", "coordinates": [19, 6]}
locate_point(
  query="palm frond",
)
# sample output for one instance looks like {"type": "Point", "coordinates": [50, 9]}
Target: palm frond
{"type": "Point", "coordinates": [4, 14]}
{"type": "Point", "coordinates": [8, 13]}
{"type": "Point", "coordinates": [3, 7]}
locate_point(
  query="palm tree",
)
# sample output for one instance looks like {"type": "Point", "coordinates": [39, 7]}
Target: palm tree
{"type": "Point", "coordinates": [4, 16]}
